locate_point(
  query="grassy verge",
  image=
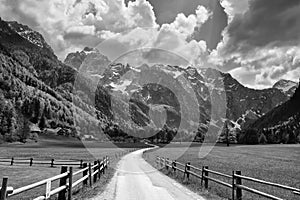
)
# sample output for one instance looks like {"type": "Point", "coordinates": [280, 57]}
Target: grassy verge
{"type": "Point", "coordinates": [275, 163]}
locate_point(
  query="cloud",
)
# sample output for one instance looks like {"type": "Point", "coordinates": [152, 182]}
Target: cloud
{"type": "Point", "coordinates": [185, 25]}
{"type": "Point", "coordinates": [64, 22]}
{"type": "Point", "coordinates": [169, 37]}
{"type": "Point", "coordinates": [268, 22]}
{"type": "Point", "coordinates": [73, 24]}
{"type": "Point", "coordinates": [260, 45]}
{"type": "Point", "coordinates": [261, 41]}
{"type": "Point", "coordinates": [234, 7]}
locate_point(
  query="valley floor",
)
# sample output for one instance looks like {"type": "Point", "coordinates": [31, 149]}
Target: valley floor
{"type": "Point", "coordinates": [275, 163]}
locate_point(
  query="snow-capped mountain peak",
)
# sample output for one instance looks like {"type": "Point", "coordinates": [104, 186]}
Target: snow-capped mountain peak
{"type": "Point", "coordinates": [286, 86]}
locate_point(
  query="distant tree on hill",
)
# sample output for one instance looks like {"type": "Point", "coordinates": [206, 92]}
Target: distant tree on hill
{"type": "Point", "coordinates": [292, 138]}
{"type": "Point", "coordinates": [250, 136]}
{"type": "Point", "coordinates": [262, 139]}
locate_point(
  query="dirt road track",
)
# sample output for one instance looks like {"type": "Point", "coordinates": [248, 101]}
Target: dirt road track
{"type": "Point", "coordinates": [135, 179]}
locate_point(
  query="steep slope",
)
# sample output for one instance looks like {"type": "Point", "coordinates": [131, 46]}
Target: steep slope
{"type": "Point", "coordinates": [30, 48]}
{"type": "Point", "coordinates": [282, 124]}
{"type": "Point", "coordinates": [36, 88]}
{"type": "Point", "coordinates": [242, 100]}
{"type": "Point", "coordinates": [281, 113]}
{"type": "Point", "coordinates": [32, 36]}
{"type": "Point", "coordinates": [286, 86]}
{"type": "Point", "coordinates": [89, 60]}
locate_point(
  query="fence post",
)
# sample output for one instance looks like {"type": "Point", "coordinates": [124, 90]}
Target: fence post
{"type": "Point", "coordinates": [90, 174]}
{"type": "Point", "coordinates": [81, 164]}
{"type": "Point", "coordinates": [238, 190]}
{"type": "Point", "coordinates": [187, 169]}
{"type": "Point", "coordinates": [167, 164]}
{"type": "Point", "coordinates": [104, 165]}
{"type": "Point", "coordinates": [52, 162]}
{"type": "Point", "coordinates": [99, 169]}
{"type": "Point", "coordinates": [205, 178]}
{"type": "Point", "coordinates": [95, 169]}
{"type": "Point", "coordinates": [233, 185]}
{"type": "Point", "coordinates": [202, 176]}
{"type": "Point", "coordinates": [174, 166]}
{"type": "Point", "coordinates": [62, 182]}
{"type": "Point", "coordinates": [85, 172]}
{"type": "Point", "coordinates": [31, 162]}
{"type": "Point", "coordinates": [70, 183]}
{"type": "Point", "coordinates": [12, 161]}
{"type": "Point", "coordinates": [3, 191]}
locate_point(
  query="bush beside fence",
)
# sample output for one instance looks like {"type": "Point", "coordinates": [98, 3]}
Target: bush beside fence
{"type": "Point", "coordinates": [235, 180]}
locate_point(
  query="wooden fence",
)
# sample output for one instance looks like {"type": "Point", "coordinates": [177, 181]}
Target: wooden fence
{"type": "Point", "coordinates": [89, 174]}
{"type": "Point", "coordinates": [31, 162]}
{"type": "Point", "coordinates": [235, 180]}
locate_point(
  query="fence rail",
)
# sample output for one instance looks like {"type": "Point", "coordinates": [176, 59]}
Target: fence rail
{"type": "Point", "coordinates": [31, 162]}
{"type": "Point", "coordinates": [90, 173]}
{"type": "Point", "coordinates": [234, 180]}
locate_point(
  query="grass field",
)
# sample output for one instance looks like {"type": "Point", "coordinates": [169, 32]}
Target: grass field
{"type": "Point", "coordinates": [63, 149]}
{"type": "Point", "coordinates": [275, 163]}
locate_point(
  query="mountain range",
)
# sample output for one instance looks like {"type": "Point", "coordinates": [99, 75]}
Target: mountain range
{"type": "Point", "coordinates": [76, 95]}
{"type": "Point", "coordinates": [244, 105]}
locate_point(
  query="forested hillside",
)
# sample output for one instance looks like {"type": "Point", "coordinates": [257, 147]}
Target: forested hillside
{"type": "Point", "coordinates": [282, 124]}
{"type": "Point", "coordinates": [37, 89]}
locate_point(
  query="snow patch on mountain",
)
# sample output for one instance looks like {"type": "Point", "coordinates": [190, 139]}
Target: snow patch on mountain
{"type": "Point", "coordinates": [121, 87]}
{"type": "Point", "coordinates": [285, 85]}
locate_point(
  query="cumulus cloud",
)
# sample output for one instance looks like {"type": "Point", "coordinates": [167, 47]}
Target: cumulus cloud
{"type": "Point", "coordinates": [234, 7]}
{"type": "Point", "coordinates": [65, 23]}
{"type": "Point", "coordinates": [169, 37]}
{"type": "Point", "coordinates": [269, 22]}
{"type": "Point", "coordinates": [261, 41]}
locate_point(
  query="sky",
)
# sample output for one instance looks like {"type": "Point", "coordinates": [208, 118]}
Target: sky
{"type": "Point", "coordinates": [256, 41]}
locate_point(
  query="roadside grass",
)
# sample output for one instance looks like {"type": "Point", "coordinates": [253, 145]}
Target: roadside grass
{"type": "Point", "coordinates": [22, 175]}
{"type": "Point", "coordinates": [275, 163]}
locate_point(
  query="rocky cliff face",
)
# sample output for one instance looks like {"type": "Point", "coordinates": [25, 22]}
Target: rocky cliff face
{"type": "Point", "coordinates": [280, 114]}
{"type": "Point", "coordinates": [286, 86]}
{"type": "Point", "coordinates": [89, 60]}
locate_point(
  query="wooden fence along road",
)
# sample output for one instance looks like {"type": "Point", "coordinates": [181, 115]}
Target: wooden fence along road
{"type": "Point", "coordinates": [89, 174]}
{"type": "Point", "coordinates": [235, 179]}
